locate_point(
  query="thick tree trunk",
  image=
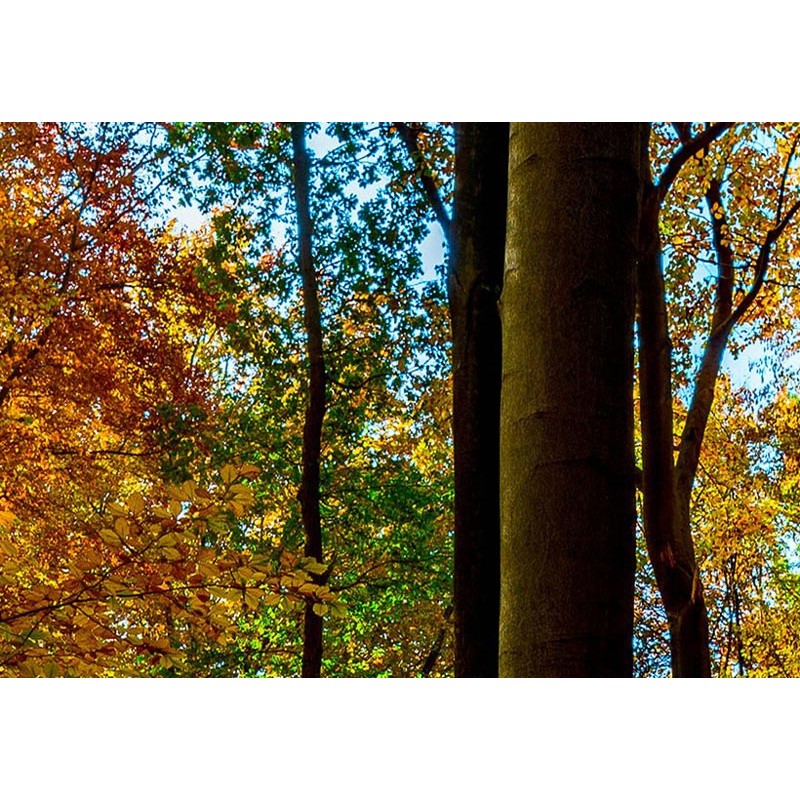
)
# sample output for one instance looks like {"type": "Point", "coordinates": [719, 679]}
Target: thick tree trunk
{"type": "Point", "coordinates": [566, 433]}
{"type": "Point", "coordinates": [476, 277]}
{"type": "Point", "coordinates": [315, 411]}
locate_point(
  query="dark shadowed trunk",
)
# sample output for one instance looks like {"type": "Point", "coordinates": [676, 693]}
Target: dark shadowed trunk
{"type": "Point", "coordinates": [315, 411]}
{"type": "Point", "coordinates": [475, 283]}
{"type": "Point", "coordinates": [566, 433]}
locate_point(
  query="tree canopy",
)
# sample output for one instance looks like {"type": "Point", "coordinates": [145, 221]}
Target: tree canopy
{"type": "Point", "coordinates": [235, 366]}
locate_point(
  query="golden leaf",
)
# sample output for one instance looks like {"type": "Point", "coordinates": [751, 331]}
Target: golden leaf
{"type": "Point", "coordinates": [136, 503]}
{"type": "Point", "coordinates": [228, 473]}
{"type": "Point", "coordinates": [7, 519]}
{"type": "Point", "coordinates": [110, 537]}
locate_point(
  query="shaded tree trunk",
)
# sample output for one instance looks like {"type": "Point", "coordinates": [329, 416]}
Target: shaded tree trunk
{"type": "Point", "coordinates": [309, 493]}
{"type": "Point", "coordinates": [475, 283]}
{"type": "Point", "coordinates": [566, 432]}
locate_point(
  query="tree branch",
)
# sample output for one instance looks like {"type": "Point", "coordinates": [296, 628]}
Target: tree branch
{"type": "Point", "coordinates": [706, 378]}
{"type": "Point", "coordinates": [409, 134]}
{"type": "Point", "coordinates": [761, 266]}
{"type": "Point", "coordinates": [436, 650]}
{"type": "Point", "coordinates": [689, 148]}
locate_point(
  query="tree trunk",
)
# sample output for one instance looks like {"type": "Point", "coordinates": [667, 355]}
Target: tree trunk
{"type": "Point", "coordinates": [666, 502]}
{"type": "Point", "coordinates": [475, 283]}
{"type": "Point", "coordinates": [315, 411]}
{"type": "Point", "coordinates": [666, 514]}
{"type": "Point", "coordinates": [566, 433]}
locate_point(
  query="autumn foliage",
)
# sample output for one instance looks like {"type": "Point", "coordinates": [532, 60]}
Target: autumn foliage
{"type": "Point", "coordinates": [154, 389]}
{"type": "Point", "coordinates": [101, 311]}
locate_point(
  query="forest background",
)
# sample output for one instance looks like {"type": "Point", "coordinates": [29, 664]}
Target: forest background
{"type": "Point", "coordinates": [562, 708]}
{"type": "Point", "coordinates": [228, 446]}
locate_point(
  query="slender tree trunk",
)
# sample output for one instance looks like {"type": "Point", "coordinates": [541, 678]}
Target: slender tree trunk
{"type": "Point", "coordinates": [666, 501]}
{"type": "Point", "coordinates": [667, 488]}
{"type": "Point", "coordinates": [475, 283]}
{"type": "Point", "coordinates": [315, 411]}
{"type": "Point", "coordinates": [666, 506]}
{"type": "Point", "coordinates": [566, 432]}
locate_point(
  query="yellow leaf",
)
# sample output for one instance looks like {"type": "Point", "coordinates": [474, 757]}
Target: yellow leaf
{"type": "Point", "coordinates": [7, 519]}
{"type": "Point", "coordinates": [9, 567]}
{"type": "Point", "coordinates": [51, 670]}
{"type": "Point", "coordinates": [8, 548]}
{"type": "Point", "coordinates": [206, 512]}
{"type": "Point", "coordinates": [272, 599]}
{"type": "Point", "coordinates": [228, 473]}
{"type": "Point", "coordinates": [225, 592]}
{"type": "Point", "coordinates": [121, 526]}
{"type": "Point", "coordinates": [89, 559]}
{"type": "Point", "coordinates": [236, 507]}
{"type": "Point", "coordinates": [337, 608]}
{"type": "Point", "coordinates": [252, 597]}
{"type": "Point", "coordinates": [208, 569]}
{"type": "Point", "coordinates": [196, 603]}
{"type": "Point", "coordinates": [319, 609]}
{"type": "Point", "coordinates": [110, 537]}
{"type": "Point", "coordinates": [177, 493]}
{"type": "Point", "coordinates": [312, 565]}
{"type": "Point", "coordinates": [136, 503]}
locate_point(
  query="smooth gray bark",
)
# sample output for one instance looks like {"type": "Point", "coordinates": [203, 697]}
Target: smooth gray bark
{"type": "Point", "coordinates": [566, 432]}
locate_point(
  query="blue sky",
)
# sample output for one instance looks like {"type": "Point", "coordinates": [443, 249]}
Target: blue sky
{"type": "Point", "coordinates": [433, 251]}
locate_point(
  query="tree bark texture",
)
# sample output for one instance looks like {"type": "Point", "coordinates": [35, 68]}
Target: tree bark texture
{"type": "Point", "coordinates": [566, 422]}
{"type": "Point", "coordinates": [309, 493]}
{"type": "Point", "coordinates": [475, 283]}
